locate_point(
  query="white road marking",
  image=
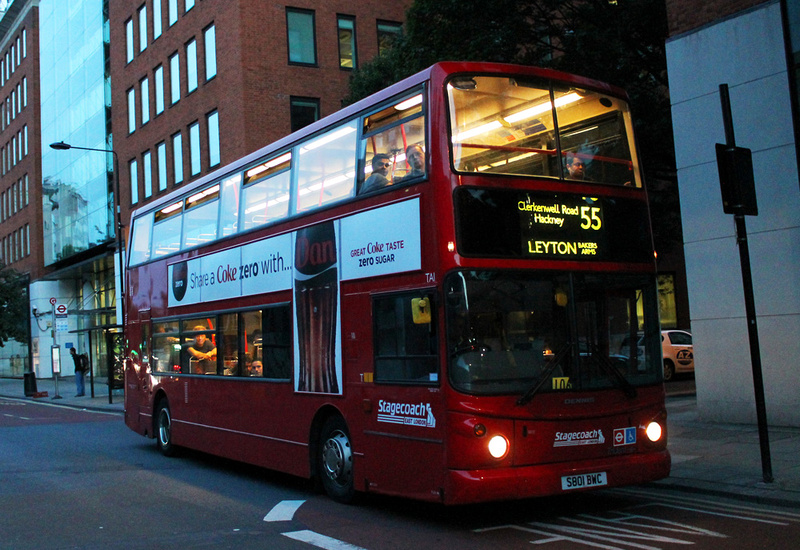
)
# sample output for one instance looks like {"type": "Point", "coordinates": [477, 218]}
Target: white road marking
{"type": "Point", "coordinates": [284, 510]}
{"type": "Point", "coordinates": [321, 541]}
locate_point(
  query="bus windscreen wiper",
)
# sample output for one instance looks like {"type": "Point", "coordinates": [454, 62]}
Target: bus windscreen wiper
{"type": "Point", "coordinates": [555, 362]}
{"type": "Point", "coordinates": [612, 373]}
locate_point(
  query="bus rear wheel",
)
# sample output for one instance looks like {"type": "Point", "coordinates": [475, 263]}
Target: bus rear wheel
{"type": "Point", "coordinates": [335, 460]}
{"type": "Point", "coordinates": [163, 430]}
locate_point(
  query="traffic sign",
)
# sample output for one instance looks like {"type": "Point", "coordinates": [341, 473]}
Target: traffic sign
{"type": "Point", "coordinates": [61, 310]}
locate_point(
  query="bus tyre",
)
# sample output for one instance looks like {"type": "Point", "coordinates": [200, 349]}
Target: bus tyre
{"type": "Point", "coordinates": [163, 430]}
{"type": "Point", "coordinates": [335, 458]}
{"type": "Point", "coordinates": [669, 370]}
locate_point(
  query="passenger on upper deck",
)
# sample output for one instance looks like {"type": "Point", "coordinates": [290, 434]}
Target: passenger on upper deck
{"type": "Point", "coordinates": [575, 167]}
{"type": "Point", "coordinates": [415, 157]}
{"type": "Point", "coordinates": [380, 172]}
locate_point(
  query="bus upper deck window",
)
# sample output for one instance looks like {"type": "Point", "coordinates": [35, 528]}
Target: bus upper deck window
{"type": "Point", "coordinates": [595, 133]}
{"type": "Point", "coordinates": [502, 125]}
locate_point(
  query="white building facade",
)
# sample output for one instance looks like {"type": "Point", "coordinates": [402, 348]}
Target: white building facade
{"type": "Point", "coordinates": [748, 52]}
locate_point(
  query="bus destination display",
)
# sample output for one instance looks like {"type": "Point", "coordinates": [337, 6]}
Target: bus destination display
{"type": "Point", "coordinates": [562, 226]}
{"type": "Point", "coordinates": [505, 223]}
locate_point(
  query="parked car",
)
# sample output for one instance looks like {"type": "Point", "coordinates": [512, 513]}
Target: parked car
{"type": "Point", "coordinates": [676, 347]}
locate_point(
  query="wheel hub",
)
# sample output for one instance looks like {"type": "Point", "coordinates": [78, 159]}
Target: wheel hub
{"type": "Point", "coordinates": [337, 457]}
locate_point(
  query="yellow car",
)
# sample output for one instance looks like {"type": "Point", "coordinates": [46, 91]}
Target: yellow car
{"type": "Point", "coordinates": [676, 347]}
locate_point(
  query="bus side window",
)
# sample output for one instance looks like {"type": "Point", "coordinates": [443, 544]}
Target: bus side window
{"type": "Point", "coordinates": [200, 336]}
{"type": "Point", "coordinates": [166, 347]}
{"type": "Point", "coordinates": [276, 342]}
{"type": "Point", "coordinates": [404, 339]}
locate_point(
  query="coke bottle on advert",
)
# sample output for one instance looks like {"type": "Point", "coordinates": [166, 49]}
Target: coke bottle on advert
{"type": "Point", "coordinates": [316, 293]}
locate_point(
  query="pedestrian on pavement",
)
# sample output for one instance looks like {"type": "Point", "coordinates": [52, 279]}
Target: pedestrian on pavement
{"type": "Point", "coordinates": [81, 366]}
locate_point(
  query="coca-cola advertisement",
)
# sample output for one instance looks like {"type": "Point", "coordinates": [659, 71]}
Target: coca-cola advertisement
{"type": "Point", "coordinates": [316, 292]}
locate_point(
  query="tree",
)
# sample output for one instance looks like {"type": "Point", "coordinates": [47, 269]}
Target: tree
{"type": "Point", "coordinates": [13, 306]}
{"type": "Point", "coordinates": [617, 41]}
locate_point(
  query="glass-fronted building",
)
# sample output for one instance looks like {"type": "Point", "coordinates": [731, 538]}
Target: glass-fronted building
{"type": "Point", "coordinates": [75, 100]}
{"type": "Point", "coordinates": [78, 241]}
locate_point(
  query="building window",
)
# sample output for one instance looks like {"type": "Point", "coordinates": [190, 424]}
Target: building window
{"type": "Point", "coordinates": [177, 157]}
{"type": "Point", "coordinates": [388, 32]}
{"type": "Point", "coordinates": [147, 172]}
{"type": "Point", "coordinates": [668, 312]}
{"type": "Point", "coordinates": [191, 66]}
{"type": "Point", "coordinates": [210, 39]}
{"type": "Point", "coordinates": [189, 4]}
{"type": "Point", "coordinates": [143, 28]}
{"type": "Point", "coordinates": [145, 93]}
{"type": "Point", "coordinates": [347, 41]}
{"type": "Point", "coordinates": [161, 153]}
{"type": "Point", "coordinates": [213, 139]}
{"type": "Point", "coordinates": [194, 148]}
{"type": "Point", "coordinates": [133, 170]}
{"type": "Point", "coordinates": [300, 34]}
{"type": "Point", "coordinates": [175, 78]}
{"type": "Point", "coordinates": [156, 19]}
{"type": "Point", "coordinates": [173, 12]}
{"type": "Point", "coordinates": [24, 91]}
{"type": "Point", "coordinates": [131, 111]}
{"type": "Point", "coordinates": [159, 76]}
{"type": "Point", "coordinates": [129, 40]}
{"type": "Point", "coordinates": [304, 111]}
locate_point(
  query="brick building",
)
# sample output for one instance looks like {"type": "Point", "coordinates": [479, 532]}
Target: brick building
{"type": "Point", "coordinates": [202, 83]}
{"type": "Point", "coordinates": [752, 47]}
{"type": "Point", "coordinates": [169, 90]}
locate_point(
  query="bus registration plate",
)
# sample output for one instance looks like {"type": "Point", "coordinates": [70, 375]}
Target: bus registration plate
{"type": "Point", "coordinates": [583, 481]}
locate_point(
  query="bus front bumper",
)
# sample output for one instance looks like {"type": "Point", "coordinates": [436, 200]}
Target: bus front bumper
{"type": "Point", "coordinates": [467, 486]}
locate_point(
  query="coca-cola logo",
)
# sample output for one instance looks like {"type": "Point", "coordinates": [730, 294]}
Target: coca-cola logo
{"type": "Point", "coordinates": [315, 249]}
{"type": "Point", "coordinates": [179, 280]}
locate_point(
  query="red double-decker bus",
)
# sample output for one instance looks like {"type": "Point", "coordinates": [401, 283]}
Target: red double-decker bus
{"type": "Point", "coordinates": [445, 291]}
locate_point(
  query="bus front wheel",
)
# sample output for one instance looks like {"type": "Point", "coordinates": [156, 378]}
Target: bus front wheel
{"type": "Point", "coordinates": [336, 460]}
{"type": "Point", "coordinates": [163, 430]}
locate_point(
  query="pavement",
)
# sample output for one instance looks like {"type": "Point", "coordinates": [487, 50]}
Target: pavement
{"type": "Point", "coordinates": [707, 457]}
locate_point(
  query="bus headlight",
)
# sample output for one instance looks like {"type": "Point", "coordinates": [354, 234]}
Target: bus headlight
{"type": "Point", "coordinates": [498, 446]}
{"type": "Point", "coordinates": [653, 431]}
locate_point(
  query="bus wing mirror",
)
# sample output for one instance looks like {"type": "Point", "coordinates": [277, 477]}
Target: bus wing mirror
{"type": "Point", "coordinates": [421, 310]}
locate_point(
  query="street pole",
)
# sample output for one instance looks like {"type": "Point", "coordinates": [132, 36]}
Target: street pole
{"type": "Point", "coordinates": [749, 300]}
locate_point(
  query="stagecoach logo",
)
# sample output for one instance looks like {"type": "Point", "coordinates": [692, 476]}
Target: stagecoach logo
{"type": "Point", "coordinates": [574, 439]}
{"type": "Point", "coordinates": [179, 280]}
{"type": "Point", "coordinates": [410, 414]}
